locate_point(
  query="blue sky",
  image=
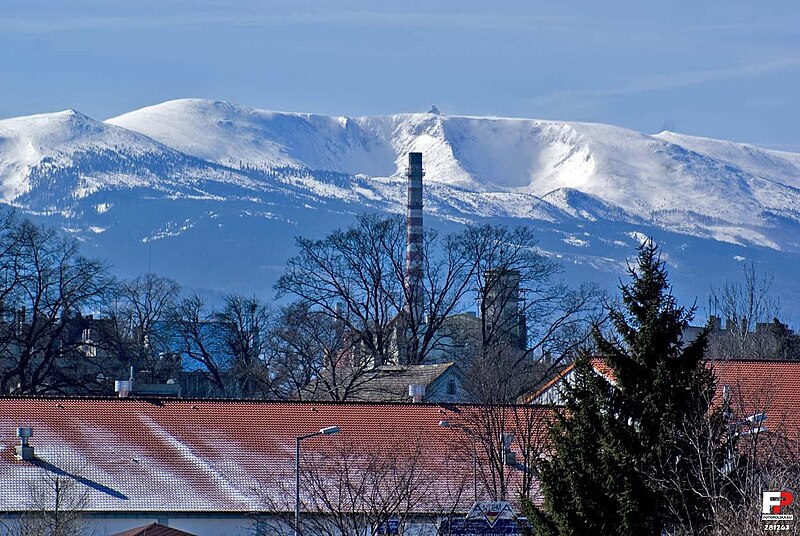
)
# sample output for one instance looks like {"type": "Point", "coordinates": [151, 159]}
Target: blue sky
{"type": "Point", "coordinates": [724, 69]}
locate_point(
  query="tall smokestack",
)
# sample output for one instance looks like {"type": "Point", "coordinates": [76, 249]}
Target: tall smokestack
{"type": "Point", "coordinates": [414, 253]}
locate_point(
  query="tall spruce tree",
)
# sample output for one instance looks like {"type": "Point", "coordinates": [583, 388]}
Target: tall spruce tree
{"type": "Point", "coordinates": [635, 438]}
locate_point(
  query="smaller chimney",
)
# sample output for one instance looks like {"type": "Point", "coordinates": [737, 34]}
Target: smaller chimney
{"type": "Point", "coordinates": [23, 450]}
{"type": "Point", "coordinates": [417, 392]}
{"type": "Point", "coordinates": [123, 388]}
{"type": "Point", "coordinates": [509, 457]}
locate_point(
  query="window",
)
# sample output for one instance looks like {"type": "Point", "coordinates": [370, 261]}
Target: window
{"type": "Point", "coordinates": [451, 388]}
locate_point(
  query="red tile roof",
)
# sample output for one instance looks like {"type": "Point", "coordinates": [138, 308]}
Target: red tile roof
{"type": "Point", "coordinates": [211, 455]}
{"type": "Point", "coordinates": [153, 529]}
{"type": "Point", "coordinates": [756, 386]}
{"type": "Point", "coordinates": [602, 367]}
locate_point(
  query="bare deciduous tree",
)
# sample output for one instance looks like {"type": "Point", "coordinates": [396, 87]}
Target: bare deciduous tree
{"type": "Point", "coordinates": [529, 321]}
{"type": "Point", "coordinates": [55, 506]}
{"type": "Point", "coordinates": [353, 492]}
{"type": "Point", "coordinates": [232, 345]}
{"type": "Point", "coordinates": [751, 313]}
{"type": "Point", "coordinates": [350, 276]}
{"type": "Point", "coordinates": [314, 356]}
{"type": "Point", "coordinates": [761, 456]}
{"type": "Point", "coordinates": [139, 331]}
{"type": "Point", "coordinates": [198, 339]}
{"type": "Point", "coordinates": [357, 278]}
{"type": "Point", "coordinates": [245, 322]}
{"type": "Point", "coordinates": [46, 282]}
{"type": "Point", "coordinates": [350, 491]}
{"type": "Point", "coordinates": [509, 439]}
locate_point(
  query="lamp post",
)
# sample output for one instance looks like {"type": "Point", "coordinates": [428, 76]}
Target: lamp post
{"type": "Point", "coordinates": [447, 424]}
{"type": "Point", "coordinates": [330, 430]}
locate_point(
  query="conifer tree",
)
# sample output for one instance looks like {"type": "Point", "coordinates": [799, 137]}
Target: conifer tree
{"type": "Point", "coordinates": [624, 457]}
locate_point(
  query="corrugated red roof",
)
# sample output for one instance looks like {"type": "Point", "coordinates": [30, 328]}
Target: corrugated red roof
{"type": "Point", "coordinates": [210, 455]}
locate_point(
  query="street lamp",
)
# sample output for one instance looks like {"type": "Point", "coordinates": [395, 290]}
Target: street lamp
{"type": "Point", "coordinates": [447, 424]}
{"type": "Point", "coordinates": [330, 430]}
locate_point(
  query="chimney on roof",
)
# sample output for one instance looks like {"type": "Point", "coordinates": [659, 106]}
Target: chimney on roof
{"type": "Point", "coordinates": [417, 392]}
{"type": "Point", "coordinates": [123, 388]}
{"type": "Point", "coordinates": [509, 457]}
{"type": "Point", "coordinates": [23, 450]}
{"type": "Point", "coordinates": [414, 260]}
{"type": "Point", "coordinates": [127, 388]}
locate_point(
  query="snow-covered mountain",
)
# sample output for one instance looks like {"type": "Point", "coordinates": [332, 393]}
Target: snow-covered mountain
{"type": "Point", "coordinates": [209, 180]}
{"type": "Point", "coordinates": [727, 191]}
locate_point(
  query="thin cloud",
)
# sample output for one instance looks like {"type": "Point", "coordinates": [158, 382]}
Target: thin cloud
{"type": "Point", "coordinates": [466, 20]}
{"type": "Point", "coordinates": [672, 81]}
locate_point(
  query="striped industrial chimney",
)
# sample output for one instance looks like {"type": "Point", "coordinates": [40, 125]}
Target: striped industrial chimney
{"type": "Point", "coordinates": [414, 252]}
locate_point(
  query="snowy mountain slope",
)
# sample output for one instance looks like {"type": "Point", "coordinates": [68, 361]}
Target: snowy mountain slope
{"type": "Point", "coordinates": [49, 140]}
{"type": "Point", "coordinates": [227, 188]}
{"type": "Point", "coordinates": [722, 190]}
{"type": "Point", "coordinates": [51, 162]}
{"type": "Point", "coordinates": [233, 135]}
{"type": "Point", "coordinates": [781, 166]}
{"type": "Point", "coordinates": [48, 161]}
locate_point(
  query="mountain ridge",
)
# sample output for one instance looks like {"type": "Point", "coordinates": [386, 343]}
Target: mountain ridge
{"type": "Point", "coordinates": [725, 191]}
{"type": "Point", "coordinates": [618, 167]}
{"type": "Point", "coordinates": [200, 175]}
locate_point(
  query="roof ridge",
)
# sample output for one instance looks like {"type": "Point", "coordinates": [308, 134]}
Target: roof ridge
{"type": "Point", "coordinates": [310, 403]}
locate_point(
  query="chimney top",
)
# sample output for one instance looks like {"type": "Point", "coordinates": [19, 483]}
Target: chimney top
{"type": "Point", "coordinates": [417, 392]}
{"type": "Point", "coordinates": [123, 388]}
{"type": "Point", "coordinates": [23, 450]}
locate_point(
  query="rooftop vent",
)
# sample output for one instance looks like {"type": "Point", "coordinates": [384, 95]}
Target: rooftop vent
{"type": "Point", "coordinates": [123, 388]}
{"type": "Point", "coordinates": [417, 392]}
{"type": "Point", "coordinates": [23, 450]}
